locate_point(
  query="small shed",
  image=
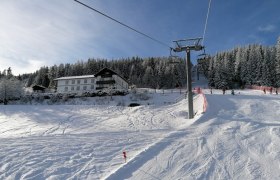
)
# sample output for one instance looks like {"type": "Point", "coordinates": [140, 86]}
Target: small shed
{"type": "Point", "coordinates": [38, 88]}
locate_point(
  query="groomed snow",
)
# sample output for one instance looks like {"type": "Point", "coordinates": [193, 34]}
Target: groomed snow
{"type": "Point", "coordinates": [237, 138]}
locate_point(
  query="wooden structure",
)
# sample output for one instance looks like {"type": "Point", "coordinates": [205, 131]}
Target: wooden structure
{"type": "Point", "coordinates": [38, 88]}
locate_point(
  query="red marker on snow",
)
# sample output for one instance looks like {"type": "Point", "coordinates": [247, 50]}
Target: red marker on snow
{"type": "Point", "coordinates": [124, 156]}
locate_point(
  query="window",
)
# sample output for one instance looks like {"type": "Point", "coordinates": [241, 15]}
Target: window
{"type": "Point", "coordinates": [67, 82]}
{"type": "Point", "coordinates": [92, 80]}
{"type": "Point", "coordinates": [73, 81]}
{"type": "Point", "coordinates": [85, 88]}
{"type": "Point", "coordinates": [85, 80]}
{"type": "Point", "coordinates": [78, 81]}
{"type": "Point", "coordinates": [92, 87]}
{"type": "Point", "coordinates": [72, 88]}
{"type": "Point", "coordinates": [66, 89]}
{"type": "Point", "coordinates": [78, 88]}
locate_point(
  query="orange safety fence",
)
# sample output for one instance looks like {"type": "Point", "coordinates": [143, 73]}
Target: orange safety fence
{"type": "Point", "coordinates": [205, 104]}
{"type": "Point", "coordinates": [198, 90]}
{"type": "Point", "coordinates": [268, 89]}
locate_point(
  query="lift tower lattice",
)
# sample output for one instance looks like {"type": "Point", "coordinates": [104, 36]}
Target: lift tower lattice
{"type": "Point", "coordinates": [188, 45]}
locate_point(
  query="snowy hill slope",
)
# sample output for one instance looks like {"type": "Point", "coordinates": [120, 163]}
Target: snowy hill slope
{"type": "Point", "coordinates": [237, 138]}
{"type": "Point", "coordinates": [80, 141]}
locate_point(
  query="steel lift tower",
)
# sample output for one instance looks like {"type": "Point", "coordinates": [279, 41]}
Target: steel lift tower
{"type": "Point", "coordinates": [188, 45]}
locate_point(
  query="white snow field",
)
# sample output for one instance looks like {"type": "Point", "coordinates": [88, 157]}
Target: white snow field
{"type": "Point", "coordinates": [238, 137]}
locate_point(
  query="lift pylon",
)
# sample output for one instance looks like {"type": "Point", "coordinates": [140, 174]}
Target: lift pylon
{"type": "Point", "coordinates": [188, 45]}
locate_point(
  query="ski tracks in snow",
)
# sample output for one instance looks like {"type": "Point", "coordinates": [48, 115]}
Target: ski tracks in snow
{"type": "Point", "coordinates": [223, 146]}
{"type": "Point", "coordinates": [127, 170]}
{"type": "Point", "coordinates": [86, 142]}
{"type": "Point", "coordinates": [60, 128]}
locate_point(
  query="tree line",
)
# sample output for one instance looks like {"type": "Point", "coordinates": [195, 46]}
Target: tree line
{"type": "Point", "coordinates": [153, 72]}
{"type": "Point", "coordinates": [250, 65]}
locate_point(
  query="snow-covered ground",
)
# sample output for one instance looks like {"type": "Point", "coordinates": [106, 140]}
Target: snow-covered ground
{"type": "Point", "coordinates": [237, 138]}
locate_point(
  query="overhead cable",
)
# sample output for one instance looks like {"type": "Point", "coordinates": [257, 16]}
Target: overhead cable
{"type": "Point", "coordinates": [206, 22]}
{"type": "Point", "coordinates": [103, 14]}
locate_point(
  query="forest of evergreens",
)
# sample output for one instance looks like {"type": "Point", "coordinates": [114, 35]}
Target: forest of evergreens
{"type": "Point", "coordinates": [142, 72]}
{"type": "Point", "coordinates": [249, 65]}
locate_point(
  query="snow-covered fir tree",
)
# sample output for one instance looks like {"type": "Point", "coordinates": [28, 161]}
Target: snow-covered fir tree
{"type": "Point", "coordinates": [10, 88]}
{"type": "Point", "coordinates": [253, 65]}
{"type": "Point", "coordinates": [277, 64]}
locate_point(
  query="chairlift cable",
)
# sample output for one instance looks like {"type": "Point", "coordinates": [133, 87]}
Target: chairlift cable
{"type": "Point", "coordinates": [206, 22]}
{"type": "Point", "coordinates": [133, 29]}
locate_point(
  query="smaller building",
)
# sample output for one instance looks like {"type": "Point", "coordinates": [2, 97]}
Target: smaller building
{"type": "Point", "coordinates": [38, 88]}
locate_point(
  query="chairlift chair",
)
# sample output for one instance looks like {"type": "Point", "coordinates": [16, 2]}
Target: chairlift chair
{"type": "Point", "coordinates": [203, 56]}
{"type": "Point", "coordinates": [173, 59]}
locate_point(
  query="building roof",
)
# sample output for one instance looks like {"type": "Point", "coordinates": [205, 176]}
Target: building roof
{"type": "Point", "coordinates": [90, 76]}
{"type": "Point", "coordinates": [74, 77]}
{"type": "Point", "coordinates": [38, 87]}
{"type": "Point", "coordinates": [108, 70]}
{"type": "Point", "coordinates": [102, 71]}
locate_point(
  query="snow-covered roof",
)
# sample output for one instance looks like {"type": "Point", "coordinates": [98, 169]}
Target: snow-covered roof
{"type": "Point", "coordinates": [74, 77]}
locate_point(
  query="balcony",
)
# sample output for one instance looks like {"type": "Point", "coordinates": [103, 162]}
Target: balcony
{"type": "Point", "coordinates": [100, 88]}
{"type": "Point", "coordinates": [106, 82]}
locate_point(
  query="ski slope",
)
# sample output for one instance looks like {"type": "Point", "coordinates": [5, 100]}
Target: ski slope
{"type": "Point", "coordinates": [237, 138]}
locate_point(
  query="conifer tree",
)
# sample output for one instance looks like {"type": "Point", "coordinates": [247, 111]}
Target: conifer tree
{"type": "Point", "coordinates": [10, 89]}
{"type": "Point", "coordinates": [277, 64]}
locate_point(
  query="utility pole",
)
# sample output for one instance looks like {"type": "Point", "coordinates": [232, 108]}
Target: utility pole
{"type": "Point", "coordinates": [182, 45]}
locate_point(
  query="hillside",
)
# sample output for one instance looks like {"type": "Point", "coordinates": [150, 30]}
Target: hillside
{"type": "Point", "coordinates": [237, 138]}
{"type": "Point", "coordinates": [87, 141]}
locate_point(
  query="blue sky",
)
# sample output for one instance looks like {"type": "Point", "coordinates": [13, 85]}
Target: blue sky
{"type": "Point", "coordinates": [35, 33]}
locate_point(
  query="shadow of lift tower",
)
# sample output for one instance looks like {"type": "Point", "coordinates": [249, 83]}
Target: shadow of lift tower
{"type": "Point", "coordinates": [188, 45]}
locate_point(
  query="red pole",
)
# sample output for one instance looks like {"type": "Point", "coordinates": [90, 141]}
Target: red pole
{"type": "Point", "coordinates": [124, 156]}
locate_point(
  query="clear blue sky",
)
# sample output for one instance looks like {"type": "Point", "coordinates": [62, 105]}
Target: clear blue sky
{"type": "Point", "coordinates": [35, 33]}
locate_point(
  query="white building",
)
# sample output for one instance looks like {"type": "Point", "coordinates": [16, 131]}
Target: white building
{"type": "Point", "coordinates": [75, 84]}
{"type": "Point", "coordinates": [105, 78]}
